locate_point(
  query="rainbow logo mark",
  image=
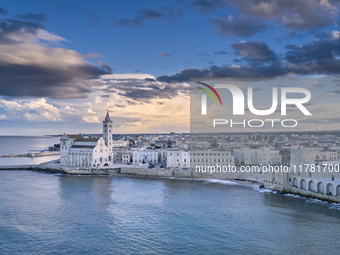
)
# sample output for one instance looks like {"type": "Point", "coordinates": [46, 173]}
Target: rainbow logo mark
{"type": "Point", "coordinates": [209, 93]}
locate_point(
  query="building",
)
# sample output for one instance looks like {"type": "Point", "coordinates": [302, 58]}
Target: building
{"type": "Point", "coordinates": [262, 156]}
{"type": "Point", "coordinates": [107, 130]}
{"type": "Point", "coordinates": [304, 155]}
{"type": "Point", "coordinates": [78, 151]}
{"type": "Point", "coordinates": [75, 150]}
{"type": "Point", "coordinates": [211, 158]}
{"type": "Point", "coordinates": [120, 143]}
{"type": "Point", "coordinates": [145, 157]}
{"type": "Point", "coordinates": [117, 154]}
{"type": "Point", "coordinates": [178, 159]}
{"type": "Point", "coordinates": [126, 158]}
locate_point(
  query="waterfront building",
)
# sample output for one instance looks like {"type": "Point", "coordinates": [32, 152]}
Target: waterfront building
{"type": "Point", "coordinates": [304, 155]}
{"type": "Point", "coordinates": [145, 157]}
{"type": "Point", "coordinates": [211, 158]}
{"type": "Point", "coordinates": [75, 150]}
{"type": "Point", "coordinates": [178, 159]}
{"type": "Point", "coordinates": [78, 151]}
{"type": "Point", "coordinates": [261, 156]}
{"type": "Point", "coordinates": [126, 157]}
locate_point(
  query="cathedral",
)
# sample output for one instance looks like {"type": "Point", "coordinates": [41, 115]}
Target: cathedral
{"type": "Point", "coordinates": [78, 151]}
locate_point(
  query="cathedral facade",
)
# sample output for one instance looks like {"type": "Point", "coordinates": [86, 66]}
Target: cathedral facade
{"type": "Point", "coordinates": [78, 151]}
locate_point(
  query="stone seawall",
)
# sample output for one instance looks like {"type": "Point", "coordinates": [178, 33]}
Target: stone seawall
{"type": "Point", "coordinates": [178, 173]}
{"type": "Point", "coordinates": [20, 167]}
{"type": "Point", "coordinates": [273, 185]}
{"type": "Point", "coordinates": [262, 179]}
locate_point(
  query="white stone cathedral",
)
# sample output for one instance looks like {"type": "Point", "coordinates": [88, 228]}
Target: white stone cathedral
{"type": "Point", "coordinates": [78, 151]}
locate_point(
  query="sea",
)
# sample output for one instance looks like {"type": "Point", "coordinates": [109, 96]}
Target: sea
{"type": "Point", "coordinates": [46, 213]}
{"type": "Point", "coordinates": [24, 144]}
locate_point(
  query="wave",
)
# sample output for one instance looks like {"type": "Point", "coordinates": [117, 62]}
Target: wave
{"type": "Point", "coordinates": [330, 205]}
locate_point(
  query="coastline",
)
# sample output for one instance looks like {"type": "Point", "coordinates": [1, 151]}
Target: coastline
{"type": "Point", "coordinates": [34, 154]}
{"type": "Point", "coordinates": [248, 180]}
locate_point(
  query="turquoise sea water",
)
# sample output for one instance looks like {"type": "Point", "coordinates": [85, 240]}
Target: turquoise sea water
{"type": "Point", "coordinates": [61, 214]}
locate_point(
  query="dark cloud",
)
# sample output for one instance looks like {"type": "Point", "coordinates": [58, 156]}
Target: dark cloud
{"type": "Point", "coordinates": [245, 71]}
{"type": "Point", "coordinates": [254, 51]}
{"type": "Point", "coordinates": [39, 81]}
{"type": "Point", "coordinates": [317, 57]}
{"type": "Point", "coordinates": [105, 96]}
{"type": "Point", "coordinates": [3, 11]}
{"type": "Point", "coordinates": [237, 26]}
{"type": "Point", "coordinates": [33, 17]}
{"type": "Point", "coordinates": [105, 67]}
{"type": "Point", "coordinates": [47, 71]}
{"type": "Point", "coordinates": [145, 14]}
{"type": "Point", "coordinates": [149, 79]}
{"type": "Point", "coordinates": [143, 90]}
{"type": "Point", "coordinates": [9, 27]}
{"type": "Point", "coordinates": [315, 51]}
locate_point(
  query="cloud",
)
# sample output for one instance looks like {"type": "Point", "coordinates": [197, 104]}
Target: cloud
{"type": "Point", "coordinates": [30, 68]}
{"type": "Point", "coordinates": [13, 30]}
{"type": "Point", "coordinates": [47, 36]}
{"type": "Point", "coordinates": [292, 14]}
{"type": "Point", "coordinates": [145, 14]}
{"type": "Point", "coordinates": [40, 110]}
{"type": "Point", "coordinates": [317, 57]}
{"type": "Point", "coordinates": [254, 51]}
{"type": "Point", "coordinates": [237, 26]}
{"type": "Point", "coordinates": [318, 50]}
{"type": "Point", "coordinates": [33, 17]}
{"type": "Point", "coordinates": [164, 55]}
{"type": "Point", "coordinates": [35, 110]}
{"type": "Point", "coordinates": [142, 89]}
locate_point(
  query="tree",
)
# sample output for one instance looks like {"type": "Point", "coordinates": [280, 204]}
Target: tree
{"type": "Point", "coordinates": [214, 144]}
{"type": "Point", "coordinates": [169, 144]}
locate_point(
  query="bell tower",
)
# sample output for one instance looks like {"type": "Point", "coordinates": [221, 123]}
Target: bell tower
{"type": "Point", "coordinates": [107, 130]}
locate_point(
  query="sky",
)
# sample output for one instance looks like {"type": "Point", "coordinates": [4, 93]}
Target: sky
{"type": "Point", "coordinates": [64, 64]}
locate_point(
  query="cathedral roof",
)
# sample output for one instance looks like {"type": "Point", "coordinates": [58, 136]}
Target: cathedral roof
{"type": "Point", "coordinates": [78, 136]}
{"type": "Point", "coordinates": [107, 118]}
{"type": "Point", "coordinates": [90, 140]}
{"type": "Point", "coordinates": [83, 146]}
